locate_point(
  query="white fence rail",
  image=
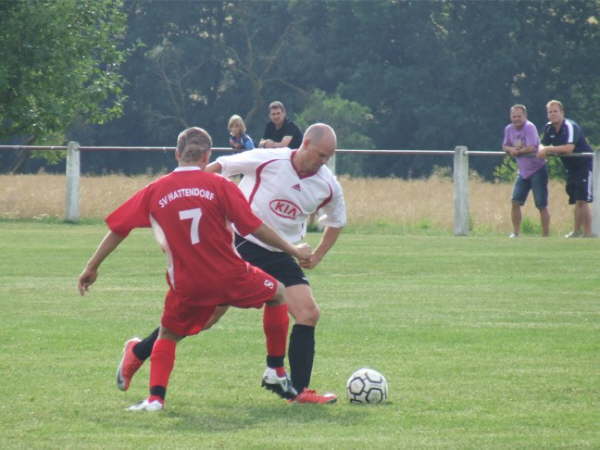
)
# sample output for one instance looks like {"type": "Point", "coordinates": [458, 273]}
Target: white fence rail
{"type": "Point", "coordinates": [460, 175]}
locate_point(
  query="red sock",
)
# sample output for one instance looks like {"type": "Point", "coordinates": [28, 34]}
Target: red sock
{"type": "Point", "coordinates": [162, 361]}
{"type": "Point", "coordinates": [156, 397]}
{"type": "Point", "coordinates": [275, 325]}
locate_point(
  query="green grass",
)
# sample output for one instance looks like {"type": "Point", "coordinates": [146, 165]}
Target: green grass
{"type": "Point", "coordinates": [486, 343]}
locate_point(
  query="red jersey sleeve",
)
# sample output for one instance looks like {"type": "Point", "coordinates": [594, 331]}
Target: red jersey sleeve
{"type": "Point", "coordinates": [237, 209]}
{"type": "Point", "coordinates": [134, 213]}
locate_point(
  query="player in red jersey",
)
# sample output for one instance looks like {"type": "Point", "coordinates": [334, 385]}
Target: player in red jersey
{"type": "Point", "coordinates": [190, 211]}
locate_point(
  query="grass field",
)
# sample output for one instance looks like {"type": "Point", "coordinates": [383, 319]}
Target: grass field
{"type": "Point", "coordinates": [486, 343]}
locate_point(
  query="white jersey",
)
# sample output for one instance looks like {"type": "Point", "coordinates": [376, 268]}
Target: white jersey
{"type": "Point", "coordinates": [280, 197]}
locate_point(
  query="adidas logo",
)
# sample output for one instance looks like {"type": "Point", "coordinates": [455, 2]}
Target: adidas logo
{"type": "Point", "coordinates": [297, 187]}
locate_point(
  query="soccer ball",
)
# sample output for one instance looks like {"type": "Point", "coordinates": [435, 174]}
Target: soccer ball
{"type": "Point", "coordinates": [367, 386]}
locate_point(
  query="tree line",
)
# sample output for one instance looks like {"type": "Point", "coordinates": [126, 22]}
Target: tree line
{"type": "Point", "coordinates": [386, 74]}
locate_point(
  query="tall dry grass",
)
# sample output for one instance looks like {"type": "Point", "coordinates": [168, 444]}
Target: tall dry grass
{"type": "Point", "coordinates": [420, 203]}
{"type": "Point", "coordinates": [44, 195]}
{"type": "Point", "coordinates": [429, 203]}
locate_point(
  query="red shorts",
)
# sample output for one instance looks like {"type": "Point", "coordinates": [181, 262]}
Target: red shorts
{"type": "Point", "coordinates": [186, 316]}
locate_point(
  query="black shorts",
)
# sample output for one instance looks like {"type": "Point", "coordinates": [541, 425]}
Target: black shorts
{"type": "Point", "coordinates": [277, 264]}
{"type": "Point", "coordinates": [579, 186]}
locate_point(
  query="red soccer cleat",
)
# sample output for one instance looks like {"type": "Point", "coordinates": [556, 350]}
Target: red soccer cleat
{"type": "Point", "coordinates": [129, 364]}
{"type": "Point", "coordinates": [311, 396]}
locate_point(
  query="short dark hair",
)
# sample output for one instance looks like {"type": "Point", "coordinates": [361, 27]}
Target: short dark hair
{"type": "Point", "coordinates": [276, 105]}
{"type": "Point", "coordinates": [519, 106]}
{"type": "Point", "coordinates": [192, 143]}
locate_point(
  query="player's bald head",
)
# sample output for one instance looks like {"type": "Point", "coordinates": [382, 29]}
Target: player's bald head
{"type": "Point", "coordinates": [321, 134]}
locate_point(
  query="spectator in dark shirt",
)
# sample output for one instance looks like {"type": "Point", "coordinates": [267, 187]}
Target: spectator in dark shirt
{"type": "Point", "coordinates": [564, 137]}
{"type": "Point", "coordinates": [280, 132]}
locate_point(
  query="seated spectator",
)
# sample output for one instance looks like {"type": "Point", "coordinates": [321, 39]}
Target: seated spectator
{"type": "Point", "coordinates": [280, 132]}
{"type": "Point", "coordinates": [238, 139]}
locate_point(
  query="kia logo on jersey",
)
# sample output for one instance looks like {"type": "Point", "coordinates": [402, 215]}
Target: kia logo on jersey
{"type": "Point", "coordinates": [284, 208]}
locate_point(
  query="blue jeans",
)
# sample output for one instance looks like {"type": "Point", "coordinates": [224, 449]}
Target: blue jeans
{"type": "Point", "coordinates": [538, 183]}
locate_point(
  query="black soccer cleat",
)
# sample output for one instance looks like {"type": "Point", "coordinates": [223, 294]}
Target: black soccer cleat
{"type": "Point", "coordinates": [282, 386]}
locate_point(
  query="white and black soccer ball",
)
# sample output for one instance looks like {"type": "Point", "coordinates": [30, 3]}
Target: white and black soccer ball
{"type": "Point", "coordinates": [367, 386]}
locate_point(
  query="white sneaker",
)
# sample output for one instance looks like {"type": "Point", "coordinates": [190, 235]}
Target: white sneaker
{"type": "Point", "coordinates": [513, 235]}
{"type": "Point", "coordinates": [574, 234]}
{"type": "Point", "coordinates": [145, 405]}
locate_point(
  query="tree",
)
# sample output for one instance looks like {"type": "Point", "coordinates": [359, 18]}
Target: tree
{"type": "Point", "coordinates": [205, 60]}
{"type": "Point", "coordinates": [197, 62]}
{"type": "Point", "coordinates": [350, 121]}
{"type": "Point", "coordinates": [60, 63]}
{"type": "Point", "coordinates": [520, 52]}
{"type": "Point", "coordinates": [433, 74]}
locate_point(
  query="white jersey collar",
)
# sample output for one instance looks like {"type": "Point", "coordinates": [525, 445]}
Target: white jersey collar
{"type": "Point", "coordinates": [186, 168]}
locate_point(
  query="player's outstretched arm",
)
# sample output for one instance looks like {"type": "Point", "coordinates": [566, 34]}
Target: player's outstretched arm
{"type": "Point", "coordinates": [266, 234]}
{"type": "Point", "coordinates": [110, 241]}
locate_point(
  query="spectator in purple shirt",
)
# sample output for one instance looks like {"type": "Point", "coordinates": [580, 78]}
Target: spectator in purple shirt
{"type": "Point", "coordinates": [521, 141]}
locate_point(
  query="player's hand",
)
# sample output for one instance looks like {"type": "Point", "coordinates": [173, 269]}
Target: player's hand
{"type": "Point", "coordinates": [311, 262]}
{"type": "Point", "coordinates": [304, 252]}
{"type": "Point", "coordinates": [86, 279]}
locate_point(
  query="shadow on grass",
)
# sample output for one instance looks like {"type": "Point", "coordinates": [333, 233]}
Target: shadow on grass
{"type": "Point", "coordinates": [227, 418]}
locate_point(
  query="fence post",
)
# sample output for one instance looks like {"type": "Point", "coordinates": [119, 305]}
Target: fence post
{"type": "Point", "coordinates": [331, 163]}
{"type": "Point", "coordinates": [461, 191]}
{"type": "Point", "coordinates": [596, 194]}
{"type": "Point", "coordinates": [72, 172]}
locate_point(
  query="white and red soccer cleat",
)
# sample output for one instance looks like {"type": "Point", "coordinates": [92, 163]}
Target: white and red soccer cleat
{"type": "Point", "coordinates": [311, 396]}
{"type": "Point", "coordinates": [129, 364]}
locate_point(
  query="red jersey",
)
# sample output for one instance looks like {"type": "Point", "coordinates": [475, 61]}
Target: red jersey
{"type": "Point", "coordinates": [190, 212]}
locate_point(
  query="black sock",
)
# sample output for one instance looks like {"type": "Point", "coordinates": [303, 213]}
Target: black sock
{"type": "Point", "coordinates": [143, 349]}
{"type": "Point", "coordinates": [159, 391]}
{"type": "Point", "coordinates": [274, 361]}
{"type": "Point", "coordinates": [301, 354]}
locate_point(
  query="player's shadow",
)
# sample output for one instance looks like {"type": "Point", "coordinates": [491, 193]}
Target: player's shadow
{"type": "Point", "coordinates": [250, 416]}
{"type": "Point", "coordinates": [225, 419]}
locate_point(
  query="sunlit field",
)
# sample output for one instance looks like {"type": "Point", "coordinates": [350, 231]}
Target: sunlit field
{"type": "Point", "coordinates": [487, 343]}
{"type": "Point", "coordinates": [419, 204]}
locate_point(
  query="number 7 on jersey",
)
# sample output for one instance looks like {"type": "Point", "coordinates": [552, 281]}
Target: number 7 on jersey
{"type": "Point", "coordinates": [195, 215]}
